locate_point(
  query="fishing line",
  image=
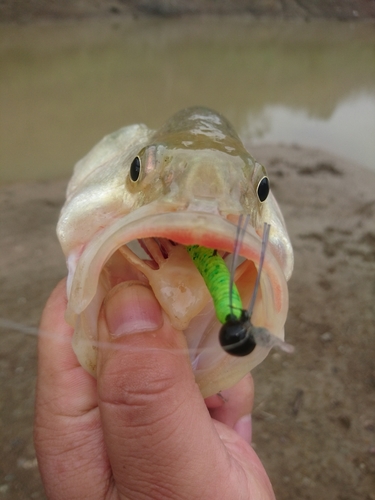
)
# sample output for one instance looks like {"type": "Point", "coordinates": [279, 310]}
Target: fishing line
{"type": "Point", "coordinates": [263, 338]}
{"type": "Point", "coordinates": [8, 324]}
{"type": "Point", "coordinates": [266, 233]}
{"type": "Point", "coordinates": [238, 336]}
{"type": "Point", "coordinates": [240, 233]}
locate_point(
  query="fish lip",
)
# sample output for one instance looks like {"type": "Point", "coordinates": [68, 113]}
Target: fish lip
{"type": "Point", "coordinates": [183, 227]}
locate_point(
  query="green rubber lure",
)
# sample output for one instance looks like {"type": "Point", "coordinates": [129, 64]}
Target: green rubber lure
{"type": "Point", "coordinates": [217, 277]}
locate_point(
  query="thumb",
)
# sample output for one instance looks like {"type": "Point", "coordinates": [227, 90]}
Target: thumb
{"type": "Point", "coordinates": [158, 433]}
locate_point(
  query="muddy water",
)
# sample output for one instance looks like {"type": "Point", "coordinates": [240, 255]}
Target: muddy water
{"type": "Point", "coordinates": [64, 86]}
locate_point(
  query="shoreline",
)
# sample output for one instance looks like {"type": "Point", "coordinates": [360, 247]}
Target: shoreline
{"type": "Point", "coordinates": [22, 11]}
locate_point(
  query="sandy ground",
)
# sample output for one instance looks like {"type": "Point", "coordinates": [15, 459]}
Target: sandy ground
{"type": "Point", "coordinates": [314, 416]}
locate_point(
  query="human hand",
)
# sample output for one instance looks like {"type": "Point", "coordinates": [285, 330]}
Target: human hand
{"type": "Point", "coordinates": [142, 429]}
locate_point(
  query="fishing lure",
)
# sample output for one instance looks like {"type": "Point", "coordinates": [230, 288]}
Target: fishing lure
{"type": "Point", "coordinates": [227, 300]}
{"type": "Point", "coordinates": [237, 335]}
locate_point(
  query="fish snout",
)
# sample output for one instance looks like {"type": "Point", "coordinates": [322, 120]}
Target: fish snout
{"type": "Point", "coordinates": [208, 187]}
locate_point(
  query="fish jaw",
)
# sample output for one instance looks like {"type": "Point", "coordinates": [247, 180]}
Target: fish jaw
{"type": "Point", "coordinates": [174, 284]}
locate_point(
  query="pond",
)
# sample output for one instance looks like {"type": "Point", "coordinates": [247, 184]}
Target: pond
{"type": "Point", "coordinates": [63, 86]}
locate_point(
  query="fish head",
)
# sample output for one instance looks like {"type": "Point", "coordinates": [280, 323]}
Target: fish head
{"type": "Point", "coordinates": [135, 202]}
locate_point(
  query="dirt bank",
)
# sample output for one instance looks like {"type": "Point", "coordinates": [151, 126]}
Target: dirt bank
{"type": "Point", "coordinates": [34, 10]}
{"type": "Point", "coordinates": [314, 424]}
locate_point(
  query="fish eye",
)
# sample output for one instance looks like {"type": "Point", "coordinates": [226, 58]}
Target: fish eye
{"type": "Point", "coordinates": [135, 169]}
{"type": "Point", "coordinates": [263, 189]}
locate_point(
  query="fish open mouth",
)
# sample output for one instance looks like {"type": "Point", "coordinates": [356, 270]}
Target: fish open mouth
{"type": "Point", "coordinates": [151, 248]}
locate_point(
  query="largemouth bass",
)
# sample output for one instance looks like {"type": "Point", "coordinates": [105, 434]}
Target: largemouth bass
{"type": "Point", "coordinates": [135, 203]}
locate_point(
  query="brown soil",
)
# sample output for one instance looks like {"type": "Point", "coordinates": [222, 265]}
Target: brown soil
{"type": "Point", "coordinates": [314, 418]}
